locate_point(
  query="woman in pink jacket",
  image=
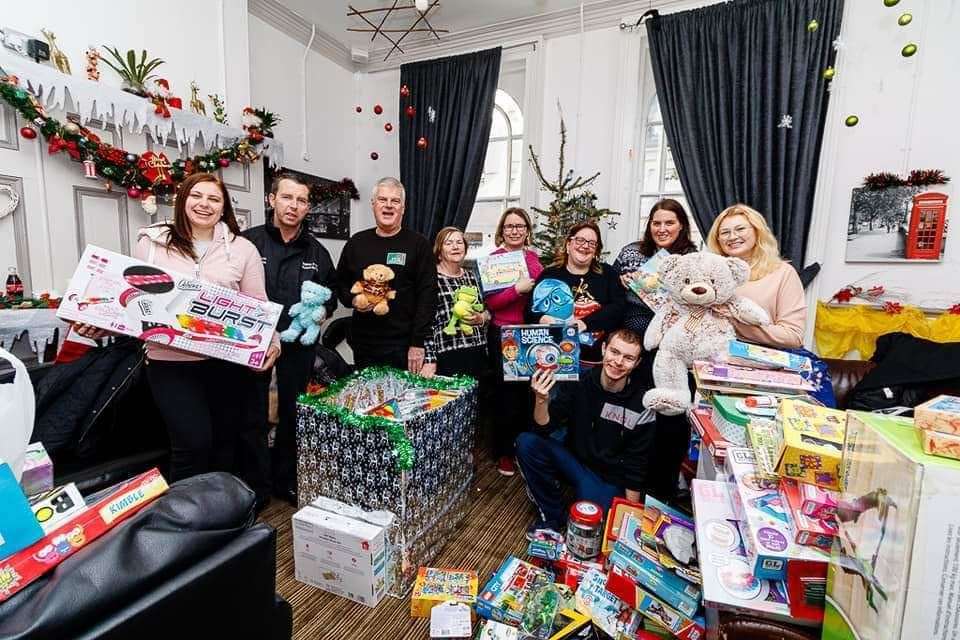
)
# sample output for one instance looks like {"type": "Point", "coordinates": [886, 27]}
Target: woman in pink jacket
{"type": "Point", "coordinates": [507, 306]}
{"type": "Point", "coordinates": [201, 399]}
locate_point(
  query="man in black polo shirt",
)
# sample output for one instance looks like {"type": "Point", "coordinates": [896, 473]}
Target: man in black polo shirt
{"type": "Point", "coordinates": [290, 257]}
{"type": "Point", "coordinates": [610, 435]}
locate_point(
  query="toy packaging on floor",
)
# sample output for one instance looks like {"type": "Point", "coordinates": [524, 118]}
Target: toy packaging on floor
{"type": "Point", "coordinates": [669, 537]}
{"type": "Point", "coordinates": [504, 594]}
{"type": "Point", "coordinates": [812, 443]}
{"type": "Point", "coordinates": [22, 568]}
{"type": "Point", "coordinates": [608, 613]}
{"type": "Point", "coordinates": [343, 555]}
{"type": "Point", "coordinates": [419, 468]}
{"type": "Point", "coordinates": [433, 586]}
{"type": "Point", "coordinates": [124, 295]}
{"type": "Point", "coordinates": [894, 571]}
{"type": "Point", "coordinates": [526, 348]}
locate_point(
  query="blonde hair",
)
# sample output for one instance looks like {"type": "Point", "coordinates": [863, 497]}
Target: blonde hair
{"type": "Point", "coordinates": [517, 211]}
{"type": "Point", "coordinates": [766, 252]}
{"type": "Point", "coordinates": [442, 236]}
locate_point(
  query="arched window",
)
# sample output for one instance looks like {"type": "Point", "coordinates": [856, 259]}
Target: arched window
{"type": "Point", "coordinates": [502, 168]}
{"type": "Point", "coordinates": [658, 174]}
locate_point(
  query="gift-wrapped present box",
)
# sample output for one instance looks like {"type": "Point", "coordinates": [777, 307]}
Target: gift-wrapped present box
{"type": "Point", "coordinates": [383, 439]}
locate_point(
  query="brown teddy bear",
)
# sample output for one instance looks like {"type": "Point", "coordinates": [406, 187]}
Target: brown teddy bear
{"type": "Point", "coordinates": [373, 292]}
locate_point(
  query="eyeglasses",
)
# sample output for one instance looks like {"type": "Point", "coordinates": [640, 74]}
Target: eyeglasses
{"type": "Point", "coordinates": [726, 234]}
{"type": "Point", "coordinates": [514, 227]}
{"type": "Point", "coordinates": [583, 242]}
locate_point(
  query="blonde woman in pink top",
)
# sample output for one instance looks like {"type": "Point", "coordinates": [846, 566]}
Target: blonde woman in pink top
{"type": "Point", "coordinates": [742, 232]}
{"type": "Point", "coordinates": [506, 307]}
{"type": "Point", "coordinates": [202, 400]}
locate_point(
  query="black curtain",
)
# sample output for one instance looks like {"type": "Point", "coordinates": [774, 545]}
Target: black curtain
{"type": "Point", "coordinates": [726, 75]}
{"type": "Point", "coordinates": [442, 179]}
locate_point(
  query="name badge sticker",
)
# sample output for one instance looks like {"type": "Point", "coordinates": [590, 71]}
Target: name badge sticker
{"type": "Point", "coordinates": [399, 258]}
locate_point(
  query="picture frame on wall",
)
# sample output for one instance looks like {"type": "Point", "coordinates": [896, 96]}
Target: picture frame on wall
{"type": "Point", "coordinates": [328, 218]}
{"type": "Point", "coordinates": [897, 224]}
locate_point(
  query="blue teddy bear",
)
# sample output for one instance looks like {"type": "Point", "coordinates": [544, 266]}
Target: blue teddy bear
{"type": "Point", "coordinates": [307, 314]}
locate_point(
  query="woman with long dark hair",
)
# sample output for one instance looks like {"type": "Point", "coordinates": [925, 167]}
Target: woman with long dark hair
{"type": "Point", "coordinates": [202, 399]}
{"type": "Point", "coordinates": [668, 227]}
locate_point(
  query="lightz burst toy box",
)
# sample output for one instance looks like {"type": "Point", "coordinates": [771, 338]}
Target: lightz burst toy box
{"type": "Point", "coordinates": [527, 348]}
{"type": "Point", "coordinates": [127, 296]}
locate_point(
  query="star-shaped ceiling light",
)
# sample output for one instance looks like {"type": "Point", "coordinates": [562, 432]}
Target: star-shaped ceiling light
{"type": "Point", "coordinates": [421, 8]}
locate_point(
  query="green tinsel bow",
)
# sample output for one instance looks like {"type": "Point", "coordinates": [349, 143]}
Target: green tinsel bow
{"type": "Point", "coordinates": [396, 435]}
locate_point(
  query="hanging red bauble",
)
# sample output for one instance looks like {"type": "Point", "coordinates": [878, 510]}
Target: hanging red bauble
{"type": "Point", "coordinates": [359, 109]}
{"type": "Point", "coordinates": [377, 109]}
{"type": "Point", "coordinates": [28, 132]}
{"type": "Point", "coordinates": [134, 192]}
{"type": "Point", "coordinates": [422, 143]}
{"type": "Point", "coordinates": [388, 127]}
{"type": "Point", "coordinates": [411, 111]}
{"type": "Point", "coordinates": [374, 155]}
{"type": "Point", "coordinates": [404, 90]}
{"type": "Point", "coordinates": [224, 162]}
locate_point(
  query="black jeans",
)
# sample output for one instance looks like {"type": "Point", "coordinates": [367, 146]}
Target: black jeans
{"type": "Point", "coordinates": [514, 411]}
{"type": "Point", "coordinates": [380, 355]}
{"type": "Point", "coordinates": [206, 405]}
{"type": "Point", "coordinates": [294, 367]}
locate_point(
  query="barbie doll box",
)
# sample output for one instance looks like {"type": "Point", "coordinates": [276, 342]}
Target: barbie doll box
{"type": "Point", "coordinates": [895, 570]}
{"type": "Point", "coordinates": [124, 295]}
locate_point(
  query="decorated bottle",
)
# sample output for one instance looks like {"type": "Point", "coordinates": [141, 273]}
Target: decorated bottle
{"type": "Point", "coordinates": [14, 286]}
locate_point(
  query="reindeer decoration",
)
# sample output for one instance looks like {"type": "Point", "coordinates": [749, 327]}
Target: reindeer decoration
{"type": "Point", "coordinates": [196, 104]}
{"type": "Point", "coordinates": [59, 57]}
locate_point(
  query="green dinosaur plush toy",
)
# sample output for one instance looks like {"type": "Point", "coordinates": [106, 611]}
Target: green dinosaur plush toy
{"type": "Point", "coordinates": [466, 302]}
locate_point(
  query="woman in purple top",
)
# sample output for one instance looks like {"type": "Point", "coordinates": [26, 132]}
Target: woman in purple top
{"type": "Point", "coordinates": [507, 307]}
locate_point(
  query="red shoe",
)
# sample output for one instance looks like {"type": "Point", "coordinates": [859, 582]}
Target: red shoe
{"type": "Point", "coordinates": [505, 466]}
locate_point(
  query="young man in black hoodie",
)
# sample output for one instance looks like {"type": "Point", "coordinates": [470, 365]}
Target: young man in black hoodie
{"type": "Point", "coordinates": [396, 336]}
{"type": "Point", "coordinates": [610, 435]}
{"type": "Point", "coordinates": [290, 256]}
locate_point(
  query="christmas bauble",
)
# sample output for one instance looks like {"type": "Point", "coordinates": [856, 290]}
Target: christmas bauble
{"type": "Point", "coordinates": [224, 162]}
{"type": "Point", "coordinates": [28, 132]}
{"type": "Point", "coordinates": [812, 26]}
{"type": "Point", "coordinates": [108, 171]}
{"type": "Point", "coordinates": [374, 155]}
{"type": "Point", "coordinates": [388, 127]}
{"type": "Point", "coordinates": [891, 3]}
{"type": "Point", "coordinates": [422, 143]}
{"type": "Point", "coordinates": [404, 90]}
{"type": "Point", "coordinates": [377, 109]}
{"type": "Point", "coordinates": [852, 121]}
{"type": "Point", "coordinates": [411, 111]}
{"type": "Point", "coordinates": [72, 128]}
{"type": "Point", "coordinates": [358, 109]}
{"type": "Point", "coordinates": [20, 94]}
{"type": "Point", "coordinates": [828, 73]}
{"type": "Point", "coordinates": [131, 158]}
{"type": "Point", "coordinates": [905, 19]}
{"type": "Point", "coordinates": [908, 50]}
{"type": "Point", "coordinates": [133, 192]}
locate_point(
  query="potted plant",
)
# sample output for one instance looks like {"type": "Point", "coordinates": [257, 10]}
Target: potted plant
{"type": "Point", "coordinates": [133, 73]}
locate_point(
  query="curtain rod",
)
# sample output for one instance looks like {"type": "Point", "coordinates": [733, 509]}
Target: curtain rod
{"type": "Point", "coordinates": [649, 13]}
{"type": "Point", "coordinates": [506, 47]}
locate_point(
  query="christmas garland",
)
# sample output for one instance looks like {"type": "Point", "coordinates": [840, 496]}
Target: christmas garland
{"type": "Point", "coordinates": [140, 174]}
{"type": "Point", "coordinates": [402, 447]}
{"type": "Point", "coordinates": [917, 178]}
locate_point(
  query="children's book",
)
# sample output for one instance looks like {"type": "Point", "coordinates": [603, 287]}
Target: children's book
{"type": "Point", "coordinates": [647, 285]}
{"type": "Point", "coordinates": [502, 270]}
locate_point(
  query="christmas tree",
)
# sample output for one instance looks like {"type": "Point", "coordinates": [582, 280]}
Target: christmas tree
{"type": "Point", "coordinates": [572, 203]}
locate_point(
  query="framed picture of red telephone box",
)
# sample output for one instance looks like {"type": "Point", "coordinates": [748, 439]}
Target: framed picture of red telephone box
{"type": "Point", "coordinates": [898, 224]}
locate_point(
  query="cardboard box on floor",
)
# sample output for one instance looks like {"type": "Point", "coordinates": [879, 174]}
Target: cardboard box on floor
{"type": "Point", "coordinates": [340, 554]}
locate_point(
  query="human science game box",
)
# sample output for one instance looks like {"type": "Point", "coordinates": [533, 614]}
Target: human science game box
{"type": "Point", "coordinates": [527, 347]}
{"type": "Point", "coordinates": [124, 295]}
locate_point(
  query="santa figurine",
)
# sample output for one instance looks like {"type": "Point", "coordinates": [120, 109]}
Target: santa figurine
{"type": "Point", "coordinates": [250, 120]}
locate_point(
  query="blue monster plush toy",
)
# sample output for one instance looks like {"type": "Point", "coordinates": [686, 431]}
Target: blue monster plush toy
{"type": "Point", "coordinates": [307, 314]}
{"type": "Point", "coordinates": [553, 298]}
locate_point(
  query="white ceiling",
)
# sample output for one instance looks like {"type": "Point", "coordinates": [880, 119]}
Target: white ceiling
{"type": "Point", "coordinates": [330, 16]}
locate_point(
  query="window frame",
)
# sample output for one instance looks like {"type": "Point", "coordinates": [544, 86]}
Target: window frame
{"type": "Point", "coordinates": [506, 199]}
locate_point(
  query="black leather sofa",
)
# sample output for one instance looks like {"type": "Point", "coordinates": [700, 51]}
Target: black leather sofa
{"type": "Point", "coordinates": [190, 565]}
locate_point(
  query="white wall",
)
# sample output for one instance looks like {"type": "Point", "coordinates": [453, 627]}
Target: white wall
{"type": "Point", "coordinates": [907, 109]}
{"type": "Point", "coordinates": [276, 63]}
{"type": "Point", "coordinates": [376, 88]}
{"type": "Point", "coordinates": [59, 210]}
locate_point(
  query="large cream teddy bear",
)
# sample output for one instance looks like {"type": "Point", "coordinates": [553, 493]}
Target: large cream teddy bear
{"type": "Point", "coordinates": [687, 328]}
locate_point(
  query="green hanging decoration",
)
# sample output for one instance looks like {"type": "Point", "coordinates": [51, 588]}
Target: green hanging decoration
{"type": "Point", "coordinates": [908, 50]}
{"type": "Point", "coordinates": [829, 73]}
{"type": "Point", "coordinates": [905, 19]}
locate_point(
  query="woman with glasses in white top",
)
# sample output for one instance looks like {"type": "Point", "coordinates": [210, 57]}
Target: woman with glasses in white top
{"type": "Point", "coordinates": [741, 232]}
{"type": "Point", "coordinates": [598, 296]}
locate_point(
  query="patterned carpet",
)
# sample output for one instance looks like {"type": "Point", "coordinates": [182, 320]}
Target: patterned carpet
{"type": "Point", "coordinates": [494, 528]}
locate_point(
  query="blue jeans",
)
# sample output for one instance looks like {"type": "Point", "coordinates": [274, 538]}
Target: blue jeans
{"type": "Point", "coordinates": [544, 462]}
